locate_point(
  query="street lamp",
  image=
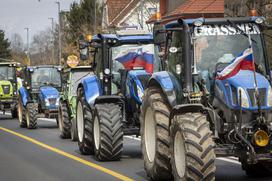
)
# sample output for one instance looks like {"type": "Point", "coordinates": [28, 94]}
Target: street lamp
{"type": "Point", "coordinates": [58, 3]}
{"type": "Point", "coordinates": [27, 38]}
{"type": "Point", "coordinates": [52, 36]}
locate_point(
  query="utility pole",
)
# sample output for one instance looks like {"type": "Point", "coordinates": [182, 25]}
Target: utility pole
{"type": "Point", "coordinates": [142, 14]}
{"type": "Point", "coordinates": [27, 38]}
{"type": "Point", "coordinates": [52, 39]}
{"type": "Point", "coordinates": [94, 27]}
{"type": "Point", "coordinates": [58, 3]}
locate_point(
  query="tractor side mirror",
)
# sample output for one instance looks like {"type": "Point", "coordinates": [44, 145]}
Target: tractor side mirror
{"type": "Point", "coordinates": [159, 34]}
{"type": "Point", "coordinates": [83, 50]}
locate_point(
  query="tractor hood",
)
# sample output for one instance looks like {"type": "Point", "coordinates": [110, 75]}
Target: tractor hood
{"type": "Point", "coordinates": [6, 89]}
{"type": "Point", "coordinates": [245, 80]}
{"type": "Point", "coordinates": [49, 92]}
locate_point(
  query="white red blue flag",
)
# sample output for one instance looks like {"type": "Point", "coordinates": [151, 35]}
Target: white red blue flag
{"type": "Point", "coordinates": [244, 61]}
{"type": "Point", "coordinates": [140, 56]}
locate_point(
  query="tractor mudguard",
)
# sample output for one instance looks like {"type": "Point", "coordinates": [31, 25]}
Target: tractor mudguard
{"type": "Point", "coordinates": [91, 87]}
{"type": "Point", "coordinates": [185, 108]}
{"type": "Point", "coordinates": [109, 99]}
{"type": "Point", "coordinates": [24, 95]}
{"type": "Point", "coordinates": [169, 85]}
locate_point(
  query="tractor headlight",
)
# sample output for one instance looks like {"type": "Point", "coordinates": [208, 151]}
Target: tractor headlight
{"type": "Point", "coordinates": [57, 101]}
{"type": "Point", "coordinates": [140, 92]}
{"type": "Point", "coordinates": [244, 98]}
{"type": "Point", "coordinates": [269, 96]}
{"type": "Point", "coordinates": [47, 103]}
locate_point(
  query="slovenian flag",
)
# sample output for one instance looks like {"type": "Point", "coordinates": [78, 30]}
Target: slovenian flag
{"type": "Point", "coordinates": [140, 56]}
{"type": "Point", "coordinates": [244, 61]}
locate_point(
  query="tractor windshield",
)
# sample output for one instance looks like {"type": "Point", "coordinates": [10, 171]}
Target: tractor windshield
{"type": "Point", "coordinates": [46, 76]}
{"type": "Point", "coordinates": [7, 73]}
{"type": "Point", "coordinates": [75, 80]}
{"type": "Point", "coordinates": [136, 57]}
{"type": "Point", "coordinates": [215, 44]}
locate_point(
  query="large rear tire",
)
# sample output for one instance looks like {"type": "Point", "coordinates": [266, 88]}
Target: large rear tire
{"type": "Point", "coordinates": [31, 115]}
{"type": "Point", "coordinates": [74, 136]}
{"type": "Point", "coordinates": [155, 130]}
{"type": "Point", "coordinates": [21, 113]}
{"type": "Point", "coordinates": [192, 148]}
{"type": "Point", "coordinates": [84, 122]}
{"type": "Point", "coordinates": [64, 122]}
{"type": "Point", "coordinates": [108, 132]}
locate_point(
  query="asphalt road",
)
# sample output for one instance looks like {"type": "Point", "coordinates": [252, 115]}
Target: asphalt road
{"type": "Point", "coordinates": [43, 156]}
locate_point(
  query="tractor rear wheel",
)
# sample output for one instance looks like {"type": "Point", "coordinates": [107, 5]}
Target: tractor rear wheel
{"type": "Point", "coordinates": [31, 115]}
{"type": "Point", "coordinates": [84, 122]}
{"type": "Point", "coordinates": [74, 136]}
{"type": "Point", "coordinates": [64, 122]}
{"type": "Point", "coordinates": [21, 113]}
{"type": "Point", "coordinates": [108, 132]}
{"type": "Point", "coordinates": [155, 130]}
{"type": "Point", "coordinates": [192, 148]}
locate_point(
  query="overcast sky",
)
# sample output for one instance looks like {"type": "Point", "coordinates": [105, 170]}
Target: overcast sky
{"type": "Point", "coordinates": [15, 15]}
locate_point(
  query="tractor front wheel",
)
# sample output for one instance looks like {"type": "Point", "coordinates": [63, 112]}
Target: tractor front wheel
{"type": "Point", "coordinates": [84, 125]}
{"type": "Point", "coordinates": [257, 170]}
{"type": "Point", "coordinates": [74, 136]}
{"type": "Point", "coordinates": [192, 148]}
{"type": "Point", "coordinates": [21, 113]}
{"type": "Point", "coordinates": [64, 122]}
{"type": "Point", "coordinates": [31, 115]}
{"type": "Point", "coordinates": [108, 132]}
{"type": "Point", "coordinates": [155, 134]}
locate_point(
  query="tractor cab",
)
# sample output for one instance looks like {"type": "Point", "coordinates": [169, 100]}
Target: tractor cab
{"type": "Point", "coordinates": [8, 87]}
{"type": "Point", "coordinates": [128, 56]}
{"type": "Point", "coordinates": [40, 94]}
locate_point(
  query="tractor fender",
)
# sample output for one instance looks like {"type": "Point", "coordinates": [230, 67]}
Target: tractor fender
{"type": "Point", "coordinates": [168, 84]}
{"type": "Point", "coordinates": [186, 108]}
{"type": "Point", "coordinates": [23, 93]}
{"type": "Point", "coordinates": [91, 88]}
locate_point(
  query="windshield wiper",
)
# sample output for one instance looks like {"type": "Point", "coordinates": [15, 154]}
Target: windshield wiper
{"type": "Point", "coordinates": [242, 31]}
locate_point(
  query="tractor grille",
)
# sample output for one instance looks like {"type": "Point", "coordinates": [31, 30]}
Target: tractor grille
{"type": "Point", "coordinates": [262, 93]}
{"type": "Point", "coordinates": [144, 79]}
{"type": "Point", "coordinates": [6, 89]}
{"type": "Point", "coordinates": [52, 101]}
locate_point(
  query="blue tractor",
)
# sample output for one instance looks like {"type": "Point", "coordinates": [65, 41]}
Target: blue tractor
{"type": "Point", "coordinates": [108, 102]}
{"type": "Point", "coordinates": [40, 94]}
{"type": "Point", "coordinates": [214, 98]}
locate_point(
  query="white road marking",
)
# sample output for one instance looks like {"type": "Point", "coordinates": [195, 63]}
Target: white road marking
{"type": "Point", "coordinates": [48, 120]}
{"type": "Point", "coordinates": [134, 137]}
{"type": "Point", "coordinates": [229, 160]}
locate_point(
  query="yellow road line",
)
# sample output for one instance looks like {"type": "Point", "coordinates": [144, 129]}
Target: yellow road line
{"type": "Point", "coordinates": [85, 162]}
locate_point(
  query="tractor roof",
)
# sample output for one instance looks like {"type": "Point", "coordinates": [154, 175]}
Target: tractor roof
{"type": "Point", "coordinates": [78, 68]}
{"type": "Point", "coordinates": [126, 38]}
{"type": "Point", "coordinates": [44, 66]}
{"type": "Point", "coordinates": [177, 23]}
{"type": "Point", "coordinates": [8, 63]}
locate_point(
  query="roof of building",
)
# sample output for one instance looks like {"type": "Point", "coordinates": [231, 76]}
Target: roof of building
{"type": "Point", "coordinates": [195, 9]}
{"type": "Point", "coordinates": [118, 9]}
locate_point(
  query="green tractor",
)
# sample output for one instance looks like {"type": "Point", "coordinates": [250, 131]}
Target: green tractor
{"type": "Point", "coordinates": [8, 88]}
{"type": "Point", "coordinates": [71, 78]}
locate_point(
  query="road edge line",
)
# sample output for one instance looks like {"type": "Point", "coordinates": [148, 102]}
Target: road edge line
{"type": "Point", "coordinates": [68, 155]}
